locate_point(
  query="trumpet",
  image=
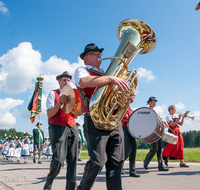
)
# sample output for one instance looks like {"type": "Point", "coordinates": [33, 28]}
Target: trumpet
{"type": "Point", "coordinates": [186, 115]}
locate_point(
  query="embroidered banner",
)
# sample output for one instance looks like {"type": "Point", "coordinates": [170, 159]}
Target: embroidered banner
{"type": "Point", "coordinates": [34, 105]}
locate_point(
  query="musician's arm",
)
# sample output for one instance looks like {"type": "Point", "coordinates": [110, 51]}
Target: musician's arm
{"type": "Point", "coordinates": [177, 121]}
{"type": "Point", "coordinates": [51, 112]}
{"type": "Point", "coordinates": [51, 108]}
{"type": "Point", "coordinates": [181, 122]}
{"type": "Point", "coordinates": [95, 81]}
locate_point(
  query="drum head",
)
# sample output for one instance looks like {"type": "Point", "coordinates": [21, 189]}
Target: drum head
{"type": "Point", "coordinates": [142, 122]}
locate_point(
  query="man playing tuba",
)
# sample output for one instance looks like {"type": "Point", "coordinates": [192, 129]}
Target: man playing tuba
{"type": "Point", "coordinates": [104, 147]}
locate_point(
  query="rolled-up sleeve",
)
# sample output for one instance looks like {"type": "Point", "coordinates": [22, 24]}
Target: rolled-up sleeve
{"type": "Point", "coordinates": [80, 73]}
{"type": "Point", "coordinates": [50, 103]}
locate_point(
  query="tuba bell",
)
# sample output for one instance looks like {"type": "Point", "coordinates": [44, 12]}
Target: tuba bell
{"type": "Point", "coordinates": [109, 103]}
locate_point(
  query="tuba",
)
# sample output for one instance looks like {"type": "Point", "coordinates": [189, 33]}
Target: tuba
{"type": "Point", "coordinates": [109, 103]}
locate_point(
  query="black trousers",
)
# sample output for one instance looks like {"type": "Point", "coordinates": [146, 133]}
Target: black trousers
{"type": "Point", "coordinates": [64, 141]}
{"type": "Point", "coordinates": [104, 148]}
{"type": "Point", "coordinates": [130, 150]}
{"type": "Point", "coordinates": [155, 148]}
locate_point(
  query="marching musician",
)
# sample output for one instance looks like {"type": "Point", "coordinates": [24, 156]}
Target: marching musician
{"type": "Point", "coordinates": [130, 144]}
{"type": "Point", "coordinates": [156, 147]}
{"type": "Point", "coordinates": [63, 135]}
{"type": "Point", "coordinates": [105, 147]}
{"type": "Point", "coordinates": [38, 134]}
{"type": "Point", "coordinates": [170, 150]}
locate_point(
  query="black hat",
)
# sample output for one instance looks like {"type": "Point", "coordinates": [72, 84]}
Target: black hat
{"type": "Point", "coordinates": [64, 74]}
{"type": "Point", "coordinates": [151, 98]}
{"type": "Point", "coordinates": [11, 138]}
{"type": "Point", "coordinates": [31, 137]}
{"type": "Point", "coordinates": [38, 123]}
{"type": "Point", "coordinates": [78, 124]}
{"type": "Point", "coordinates": [90, 47]}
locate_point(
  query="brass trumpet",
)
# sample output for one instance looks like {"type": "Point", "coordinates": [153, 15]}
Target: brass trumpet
{"type": "Point", "coordinates": [186, 115]}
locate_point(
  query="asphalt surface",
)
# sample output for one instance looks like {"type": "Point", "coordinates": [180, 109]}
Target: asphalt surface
{"type": "Point", "coordinates": [30, 176]}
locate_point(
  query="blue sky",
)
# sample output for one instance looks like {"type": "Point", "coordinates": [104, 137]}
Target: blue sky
{"type": "Point", "coordinates": [47, 37]}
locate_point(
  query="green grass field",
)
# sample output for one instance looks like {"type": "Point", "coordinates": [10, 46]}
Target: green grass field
{"type": "Point", "coordinates": [190, 155]}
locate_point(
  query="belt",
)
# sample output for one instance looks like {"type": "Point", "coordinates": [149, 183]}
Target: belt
{"type": "Point", "coordinates": [87, 114]}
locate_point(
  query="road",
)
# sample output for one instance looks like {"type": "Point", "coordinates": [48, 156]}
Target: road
{"type": "Point", "coordinates": [30, 176]}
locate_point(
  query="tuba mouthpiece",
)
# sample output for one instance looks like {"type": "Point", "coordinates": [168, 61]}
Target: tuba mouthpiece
{"type": "Point", "coordinates": [99, 59]}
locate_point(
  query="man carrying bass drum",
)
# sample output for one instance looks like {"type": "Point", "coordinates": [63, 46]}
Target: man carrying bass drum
{"type": "Point", "coordinates": [156, 147]}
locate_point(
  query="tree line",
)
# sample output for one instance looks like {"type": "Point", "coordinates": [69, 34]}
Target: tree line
{"type": "Point", "coordinates": [12, 132]}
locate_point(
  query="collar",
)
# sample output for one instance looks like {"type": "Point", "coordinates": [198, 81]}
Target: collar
{"type": "Point", "coordinates": [95, 69]}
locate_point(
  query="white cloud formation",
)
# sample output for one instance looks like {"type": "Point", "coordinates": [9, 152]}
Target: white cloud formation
{"type": "Point", "coordinates": [3, 9]}
{"type": "Point", "coordinates": [145, 74]}
{"type": "Point", "coordinates": [179, 106]}
{"type": "Point", "coordinates": [22, 65]}
{"type": "Point", "coordinates": [160, 110]}
{"type": "Point", "coordinates": [6, 117]}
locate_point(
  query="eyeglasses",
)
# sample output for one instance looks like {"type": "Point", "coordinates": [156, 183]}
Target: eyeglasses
{"type": "Point", "coordinates": [65, 80]}
{"type": "Point", "coordinates": [95, 53]}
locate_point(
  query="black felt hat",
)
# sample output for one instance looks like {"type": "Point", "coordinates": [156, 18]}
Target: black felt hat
{"type": "Point", "coordinates": [90, 47]}
{"type": "Point", "coordinates": [64, 74]}
{"type": "Point", "coordinates": [38, 123]}
{"type": "Point", "coordinates": [151, 98]}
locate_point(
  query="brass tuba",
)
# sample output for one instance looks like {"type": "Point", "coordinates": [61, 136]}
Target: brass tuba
{"type": "Point", "coordinates": [109, 104]}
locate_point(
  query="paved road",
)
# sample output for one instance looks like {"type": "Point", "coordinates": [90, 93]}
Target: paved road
{"type": "Point", "coordinates": [30, 176]}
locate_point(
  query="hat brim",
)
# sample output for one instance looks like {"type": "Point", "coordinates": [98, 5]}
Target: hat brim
{"type": "Point", "coordinates": [63, 75]}
{"type": "Point", "coordinates": [82, 55]}
{"type": "Point", "coordinates": [150, 101]}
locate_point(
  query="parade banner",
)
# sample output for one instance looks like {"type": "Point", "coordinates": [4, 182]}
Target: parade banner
{"type": "Point", "coordinates": [34, 105]}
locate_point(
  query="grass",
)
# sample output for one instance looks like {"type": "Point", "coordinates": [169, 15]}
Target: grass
{"type": "Point", "coordinates": [190, 155]}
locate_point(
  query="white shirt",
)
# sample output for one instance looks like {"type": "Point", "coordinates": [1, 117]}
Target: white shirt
{"type": "Point", "coordinates": [81, 72]}
{"type": "Point", "coordinates": [170, 118]}
{"type": "Point", "coordinates": [50, 102]}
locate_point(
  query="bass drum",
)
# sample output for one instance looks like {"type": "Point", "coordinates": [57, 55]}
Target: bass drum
{"type": "Point", "coordinates": [145, 125]}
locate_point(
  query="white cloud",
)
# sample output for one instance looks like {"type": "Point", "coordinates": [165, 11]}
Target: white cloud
{"type": "Point", "coordinates": [179, 106]}
{"type": "Point", "coordinates": [22, 65]}
{"type": "Point", "coordinates": [160, 110]}
{"type": "Point", "coordinates": [2, 8]}
{"type": "Point", "coordinates": [6, 117]}
{"type": "Point", "coordinates": [197, 115]}
{"type": "Point", "coordinates": [145, 74]}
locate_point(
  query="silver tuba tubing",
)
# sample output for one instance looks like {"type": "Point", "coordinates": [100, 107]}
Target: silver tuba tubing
{"type": "Point", "coordinates": [109, 104]}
